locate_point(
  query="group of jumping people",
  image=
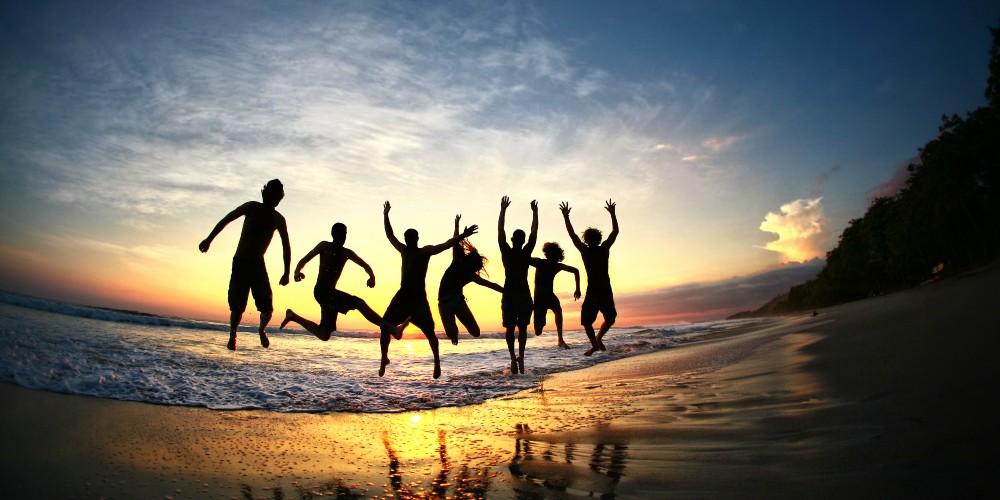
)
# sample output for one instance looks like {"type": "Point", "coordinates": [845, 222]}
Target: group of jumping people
{"type": "Point", "coordinates": [410, 305]}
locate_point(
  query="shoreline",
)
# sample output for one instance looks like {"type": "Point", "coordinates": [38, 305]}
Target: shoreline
{"type": "Point", "coordinates": [883, 397]}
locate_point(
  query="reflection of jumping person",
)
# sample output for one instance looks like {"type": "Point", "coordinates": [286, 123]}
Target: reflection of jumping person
{"type": "Point", "coordinates": [411, 299]}
{"type": "Point", "coordinates": [516, 304]}
{"type": "Point", "coordinates": [260, 220]}
{"type": "Point", "coordinates": [545, 296]}
{"type": "Point", "coordinates": [332, 258]}
{"type": "Point", "coordinates": [599, 296]}
{"type": "Point", "coordinates": [466, 264]}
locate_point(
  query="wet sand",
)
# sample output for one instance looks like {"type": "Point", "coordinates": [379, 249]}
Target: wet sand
{"type": "Point", "coordinates": [884, 398]}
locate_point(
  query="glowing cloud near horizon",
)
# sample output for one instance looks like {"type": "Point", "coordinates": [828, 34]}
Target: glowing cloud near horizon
{"type": "Point", "coordinates": [799, 227]}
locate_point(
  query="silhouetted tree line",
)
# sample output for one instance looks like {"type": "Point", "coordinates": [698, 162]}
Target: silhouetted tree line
{"type": "Point", "coordinates": [948, 213]}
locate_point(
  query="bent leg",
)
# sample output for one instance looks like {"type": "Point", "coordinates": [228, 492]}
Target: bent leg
{"type": "Point", "coordinates": [448, 321]}
{"type": "Point", "coordinates": [321, 332]}
{"type": "Point", "coordinates": [464, 315]}
{"type": "Point", "coordinates": [375, 319]}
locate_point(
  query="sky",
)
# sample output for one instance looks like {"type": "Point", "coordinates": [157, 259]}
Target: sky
{"type": "Point", "coordinates": [737, 139]}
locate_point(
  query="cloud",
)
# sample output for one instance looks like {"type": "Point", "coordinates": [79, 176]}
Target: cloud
{"type": "Point", "coordinates": [800, 229]}
{"type": "Point", "coordinates": [716, 299]}
{"type": "Point", "coordinates": [821, 179]}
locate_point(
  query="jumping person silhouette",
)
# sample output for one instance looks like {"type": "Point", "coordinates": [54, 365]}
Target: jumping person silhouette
{"type": "Point", "coordinates": [600, 297]}
{"type": "Point", "coordinates": [545, 296]}
{"type": "Point", "coordinates": [260, 220]}
{"type": "Point", "coordinates": [411, 299]}
{"type": "Point", "coordinates": [516, 305]}
{"type": "Point", "coordinates": [332, 258]}
{"type": "Point", "coordinates": [466, 265]}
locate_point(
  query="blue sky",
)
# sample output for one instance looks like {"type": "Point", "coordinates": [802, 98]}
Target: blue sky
{"type": "Point", "coordinates": [737, 137]}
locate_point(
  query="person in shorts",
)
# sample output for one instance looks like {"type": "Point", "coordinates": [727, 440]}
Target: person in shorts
{"type": "Point", "coordinates": [516, 306]}
{"type": "Point", "coordinates": [260, 221]}
{"type": "Point", "coordinates": [332, 258]}
{"type": "Point", "coordinates": [599, 297]}
{"type": "Point", "coordinates": [545, 296]}
{"type": "Point", "coordinates": [410, 302]}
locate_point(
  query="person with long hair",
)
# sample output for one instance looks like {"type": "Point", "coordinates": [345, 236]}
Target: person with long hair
{"type": "Point", "coordinates": [467, 265]}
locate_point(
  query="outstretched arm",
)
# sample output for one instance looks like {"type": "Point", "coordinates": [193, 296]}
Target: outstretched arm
{"type": "Point", "coordinates": [388, 228]}
{"type": "Point", "coordinates": [305, 260]}
{"type": "Point", "coordinates": [436, 249]}
{"type": "Point", "coordinates": [501, 233]}
{"type": "Point", "coordinates": [231, 216]}
{"type": "Point", "coordinates": [610, 207]}
{"type": "Point", "coordinates": [286, 249]}
{"type": "Point", "coordinates": [487, 283]}
{"type": "Point", "coordinates": [364, 265]}
{"type": "Point", "coordinates": [564, 208]}
{"type": "Point", "coordinates": [533, 235]}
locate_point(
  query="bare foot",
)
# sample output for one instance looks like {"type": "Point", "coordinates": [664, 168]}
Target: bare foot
{"type": "Point", "coordinates": [563, 344]}
{"type": "Point", "coordinates": [437, 371]}
{"type": "Point", "coordinates": [520, 364]}
{"type": "Point", "coordinates": [288, 317]}
{"type": "Point", "coordinates": [590, 351]}
{"type": "Point", "coordinates": [513, 367]}
{"type": "Point", "coordinates": [232, 342]}
{"type": "Point", "coordinates": [381, 369]}
{"type": "Point", "coordinates": [453, 338]}
{"type": "Point", "coordinates": [264, 341]}
{"type": "Point", "coordinates": [600, 345]}
{"type": "Point", "coordinates": [399, 330]}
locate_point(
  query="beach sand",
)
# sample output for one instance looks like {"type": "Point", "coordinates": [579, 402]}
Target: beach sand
{"type": "Point", "coordinates": [884, 398]}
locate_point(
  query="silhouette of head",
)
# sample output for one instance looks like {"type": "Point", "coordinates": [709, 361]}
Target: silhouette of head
{"type": "Point", "coordinates": [411, 237]}
{"type": "Point", "coordinates": [273, 192]}
{"type": "Point", "coordinates": [517, 239]}
{"type": "Point", "coordinates": [339, 233]}
{"type": "Point", "coordinates": [553, 251]}
{"type": "Point", "coordinates": [592, 236]}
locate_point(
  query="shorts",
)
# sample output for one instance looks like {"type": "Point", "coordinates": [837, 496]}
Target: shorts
{"type": "Point", "coordinates": [542, 307]}
{"type": "Point", "coordinates": [602, 301]}
{"type": "Point", "coordinates": [333, 302]}
{"type": "Point", "coordinates": [249, 275]}
{"type": "Point", "coordinates": [516, 309]}
{"type": "Point", "coordinates": [413, 305]}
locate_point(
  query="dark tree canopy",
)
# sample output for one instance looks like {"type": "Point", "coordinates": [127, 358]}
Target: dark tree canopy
{"type": "Point", "coordinates": [948, 213]}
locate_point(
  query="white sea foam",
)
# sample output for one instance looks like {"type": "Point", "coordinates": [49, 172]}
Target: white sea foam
{"type": "Point", "coordinates": [173, 361]}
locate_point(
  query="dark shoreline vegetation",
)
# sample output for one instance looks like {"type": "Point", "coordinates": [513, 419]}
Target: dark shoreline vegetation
{"type": "Point", "coordinates": [945, 221]}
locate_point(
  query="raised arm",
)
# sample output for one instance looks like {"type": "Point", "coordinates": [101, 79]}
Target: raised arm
{"type": "Point", "coordinates": [564, 208]}
{"type": "Point", "coordinates": [610, 207]}
{"type": "Point", "coordinates": [501, 233]}
{"type": "Point", "coordinates": [436, 249]}
{"type": "Point", "coordinates": [533, 235]}
{"type": "Point", "coordinates": [456, 249]}
{"type": "Point", "coordinates": [353, 257]}
{"type": "Point", "coordinates": [388, 228]}
{"type": "Point", "coordinates": [286, 249]}
{"type": "Point", "coordinates": [231, 216]}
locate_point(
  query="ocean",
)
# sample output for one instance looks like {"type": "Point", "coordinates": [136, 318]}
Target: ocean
{"type": "Point", "coordinates": [132, 356]}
